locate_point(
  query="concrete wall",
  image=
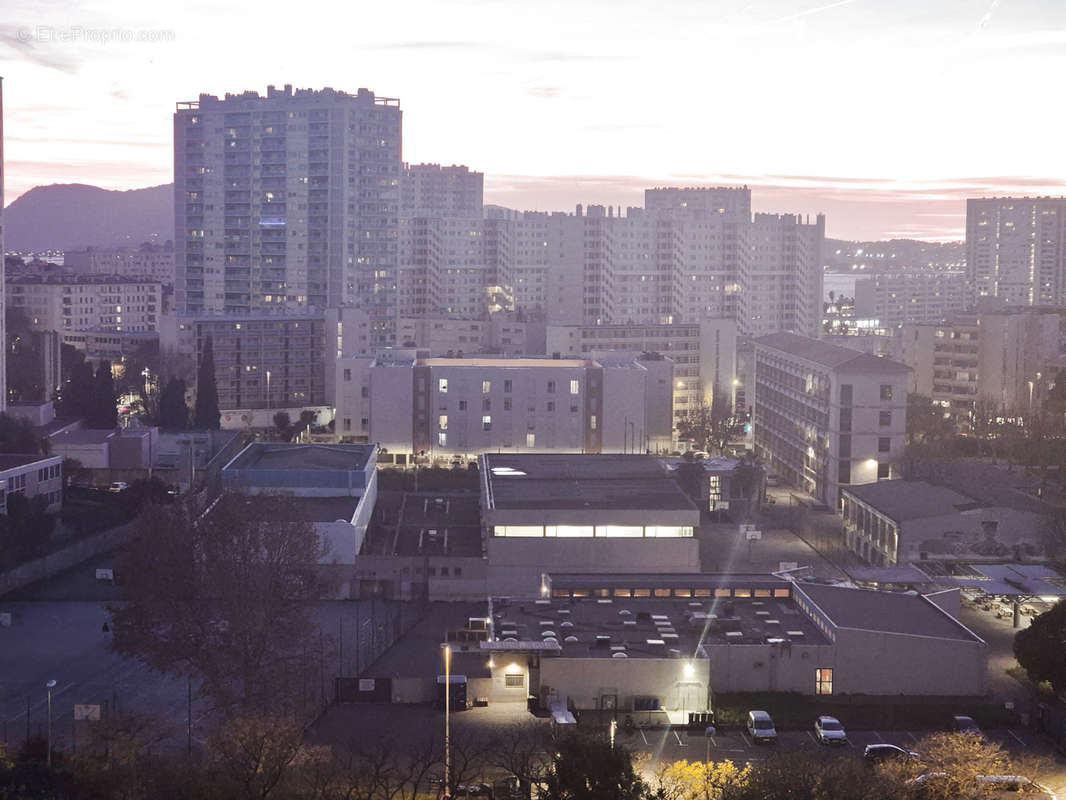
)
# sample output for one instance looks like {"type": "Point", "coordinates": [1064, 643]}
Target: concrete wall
{"type": "Point", "coordinates": [586, 680]}
{"type": "Point", "coordinates": [870, 662]}
{"type": "Point", "coordinates": [767, 668]}
{"type": "Point", "coordinates": [404, 576]}
{"type": "Point", "coordinates": [515, 565]}
{"type": "Point", "coordinates": [54, 563]}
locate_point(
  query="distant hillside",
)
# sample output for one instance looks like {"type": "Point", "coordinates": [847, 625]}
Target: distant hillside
{"type": "Point", "coordinates": [71, 216]}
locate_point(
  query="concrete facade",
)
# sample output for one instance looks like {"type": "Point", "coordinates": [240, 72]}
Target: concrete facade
{"type": "Point", "coordinates": [32, 476]}
{"type": "Point", "coordinates": [88, 302]}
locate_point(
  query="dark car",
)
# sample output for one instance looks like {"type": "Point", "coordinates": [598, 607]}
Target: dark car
{"type": "Point", "coordinates": [879, 753]}
{"type": "Point", "coordinates": [966, 725]}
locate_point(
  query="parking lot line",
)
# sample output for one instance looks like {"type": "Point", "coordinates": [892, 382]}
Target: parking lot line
{"type": "Point", "coordinates": [1017, 738]}
{"type": "Point", "coordinates": [812, 737]}
{"type": "Point", "coordinates": [880, 738]}
{"type": "Point", "coordinates": [642, 736]}
{"type": "Point", "coordinates": [683, 744]}
{"type": "Point", "coordinates": [913, 737]}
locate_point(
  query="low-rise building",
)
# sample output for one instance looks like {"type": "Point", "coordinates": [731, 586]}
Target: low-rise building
{"type": "Point", "coordinates": [87, 302]}
{"type": "Point", "coordinates": [334, 486]}
{"type": "Point", "coordinates": [596, 513]}
{"type": "Point", "coordinates": [147, 261]}
{"type": "Point", "coordinates": [452, 407]}
{"type": "Point", "coordinates": [826, 416]}
{"type": "Point", "coordinates": [896, 522]}
{"type": "Point", "coordinates": [32, 476]}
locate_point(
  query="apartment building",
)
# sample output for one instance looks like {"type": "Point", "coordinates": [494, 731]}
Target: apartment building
{"type": "Point", "coordinates": [467, 406]}
{"type": "Point", "coordinates": [1016, 249]}
{"type": "Point", "coordinates": [3, 281]}
{"type": "Point", "coordinates": [826, 416]}
{"type": "Point", "coordinates": [909, 296]}
{"type": "Point", "coordinates": [703, 353]}
{"type": "Point", "coordinates": [287, 201]}
{"type": "Point", "coordinates": [152, 261]}
{"type": "Point", "coordinates": [992, 358]}
{"type": "Point", "coordinates": [782, 286]}
{"type": "Point", "coordinates": [32, 476]}
{"type": "Point", "coordinates": [87, 302]}
{"type": "Point", "coordinates": [262, 361]}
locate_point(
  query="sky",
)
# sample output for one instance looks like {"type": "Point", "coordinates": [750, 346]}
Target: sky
{"type": "Point", "coordinates": [883, 114]}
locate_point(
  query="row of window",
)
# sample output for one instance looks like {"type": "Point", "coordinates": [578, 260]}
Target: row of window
{"type": "Point", "coordinates": [486, 386]}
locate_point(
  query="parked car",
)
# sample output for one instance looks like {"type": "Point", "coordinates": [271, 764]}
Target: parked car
{"type": "Point", "coordinates": [966, 725]}
{"type": "Point", "coordinates": [761, 727]}
{"type": "Point", "coordinates": [828, 730]}
{"type": "Point", "coordinates": [118, 486]}
{"type": "Point", "coordinates": [879, 753]}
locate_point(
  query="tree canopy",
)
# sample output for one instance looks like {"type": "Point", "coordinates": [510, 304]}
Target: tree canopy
{"type": "Point", "coordinates": [206, 414]}
{"type": "Point", "coordinates": [1041, 648]}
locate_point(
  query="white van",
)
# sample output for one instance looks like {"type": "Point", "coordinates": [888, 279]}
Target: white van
{"type": "Point", "coordinates": [761, 727]}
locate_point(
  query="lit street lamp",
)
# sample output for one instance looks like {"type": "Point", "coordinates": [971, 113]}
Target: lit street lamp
{"type": "Point", "coordinates": [447, 720]}
{"type": "Point", "coordinates": [50, 686]}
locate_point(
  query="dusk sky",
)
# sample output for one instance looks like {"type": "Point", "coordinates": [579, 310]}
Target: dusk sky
{"type": "Point", "coordinates": [884, 114]}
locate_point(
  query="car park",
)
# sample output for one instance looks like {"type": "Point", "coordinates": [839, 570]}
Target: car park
{"type": "Point", "coordinates": [882, 752]}
{"type": "Point", "coordinates": [828, 730]}
{"type": "Point", "coordinates": [761, 727]}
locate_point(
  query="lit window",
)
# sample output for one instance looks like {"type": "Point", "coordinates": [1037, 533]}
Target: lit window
{"type": "Point", "coordinates": [486, 422]}
{"type": "Point", "coordinates": [442, 422]}
{"type": "Point", "coordinates": [486, 387]}
{"type": "Point", "coordinates": [515, 681]}
{"type": "Point", "coordinates": [592, 422]}
{"type": "Point", "coordinates": [574, 386]}
{"type": "Point", "coordinates": [442, 439]}
{"type": "Point", "coordinates": [886, 391]}
{"type": "Point", "coordinates": [442, 385]}
{"type": "Point", "coordinates": [823, 681]}
{"type": "Point", "coordinates": [531, 440]}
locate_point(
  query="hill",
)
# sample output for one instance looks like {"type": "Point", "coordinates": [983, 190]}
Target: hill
{"type": "Point", "coordinates": [72, 216]}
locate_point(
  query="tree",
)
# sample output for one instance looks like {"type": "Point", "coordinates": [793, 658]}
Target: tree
{"type": "Point", "coordinates": [521, 750]}
{"type": "Point", "coordinates": [76, 396]}
{"type": "Point", "coordinates": [223, 597]}
{"type": "Point", "coordinates": [103, 408]}
{"type": "Point", "coordinates": [698, 780]}
{"type": "Point", "coordinates": [25, 360]}
{"type": "Point", "coordinates": [206, 414]}
{"type": "Point", "coordinates": [709, 425]}
{"type": "Point", "coordinates": [587, 767]}
{"type": "Point", "coordinates": [26, 530]}
{"type": "Point", "coordinates": [282, 422]}
{"type": "Point", "coordinates": [925, 420]}
{"type": "Point", "coordinates": [17, 435]}
{"type": "Point", "coordinates": [256, 753]}
{"type": "Point", "coordinates": [173, 412]}
{"type": "Point", "coordinates": [1055, 402]}
{"type": "Point", "coordinates": [1041, 648]}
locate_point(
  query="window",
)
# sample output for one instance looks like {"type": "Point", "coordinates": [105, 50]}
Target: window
{"type": "Point", "coordinates": [592, 421]}
{"type": "Point", "coordinates": [486, 387]}
{"type": "Point", "coordinates": [886, 391]}
{"type": "Point", "coordinates": [486, 422]}
{"type": "Point", "coordinates": [442, 422]}
{"type": "Point", "coordinates": [551, 387]}
{"type": "Point", "coordinates": [531, 440]}
{"type": "Point", "coordinates": [347, 423]}
{"type": "Point", "coordinates": [573, 408]}
{"type": "Point", "coordinates": [884, 444]}
{"type": "Point", "coordinates": [551, 405]}
{"type": "Point", "coordinates": [575, 386]}
{"type": "Point", "coordinates": [462, 405]}
{"type": "Point", "coordinates": [823, 681]}
{"type": "Point", "coordinates": [845, 420]}
{"type": "Point", "coordinates": [845, 394]}
{"type": "Point", "coordinates": [884, 419]}
{"type": "Point", "coordinates": [442, 385]}
{"type": "Point", "coordinates": [442, 439]}
{"type": "Point", "coordinates": [365, 391]}
{"type": "Point", "coordinates": [486, 404]}
{"type": "Point", "coordinates": [884, 470]}
{"type": "Point", "coordinates": [507, 387]}
{"type": "Point", "coordinates": [515, 681]}
{"type": "Point", "coordinates": [507, 404]}
{"type": "Point", "coordinates": [347, 374]}
{"type": "Point", "coordinates": [844, 449]}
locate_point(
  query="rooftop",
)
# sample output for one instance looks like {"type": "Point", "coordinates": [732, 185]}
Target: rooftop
{"type": "Point", "coordinates": [517, 363]}
{"type": "Point", "coordinates": [323, 509]}
{"type": "Point", "coordinates": [326, 457]}
{"type": "Point", "coordinates": [82, 436]}
{"type": "Point", "coordinates": [1000, 579]}
{"type": "Point", "coordinates": [829, 355]}
{"type": "Point", "coordinates": [13, 460]}
{"type": "Point", "coordinates": [886, 612]}
{"type": "Point", "coordinates": [649, 627]}
{"type": "Point", "coordinates": [904, 500]}
{"type": "Point", "coordinates": [580, 481]}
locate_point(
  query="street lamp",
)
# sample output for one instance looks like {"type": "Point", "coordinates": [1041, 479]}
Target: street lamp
{"type": "Point", "coordinates": [447, 719]}
{"type": "Point", "coordinates": [268, 388]}
{"type": "Point", "coordinates": [50, 686]}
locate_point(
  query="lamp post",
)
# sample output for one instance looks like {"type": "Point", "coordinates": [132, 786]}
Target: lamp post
{"type": "Point", "coordinates": [50, 686]}
{"type": "Point", "coordinates": [447, 720]}
{"type": "Point", "coordinates": [268, 389]}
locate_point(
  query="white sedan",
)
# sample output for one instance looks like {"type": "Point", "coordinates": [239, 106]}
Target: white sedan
{"type": "Point", "coordinates": [828, 730]}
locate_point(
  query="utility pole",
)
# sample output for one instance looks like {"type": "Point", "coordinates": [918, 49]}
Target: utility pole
{"type": "Point", "coordinates": [447, 721]}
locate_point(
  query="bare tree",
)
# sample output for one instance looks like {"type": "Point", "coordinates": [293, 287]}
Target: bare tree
{"type": "Point", "coordinates": [522, 750]}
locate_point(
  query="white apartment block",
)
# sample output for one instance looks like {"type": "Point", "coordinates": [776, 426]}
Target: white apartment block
{"type": "Point", "coordinates": [826, 416]}
{"type": "Point", "coordinates": [467, 406]}
{"type": "Point", "coordinates": [906, 296]}
{"type": "Point", "coordinates": [3, 281]}
{"type": "Point", "coordinates": [782, 289]}
{"type": "Point", "coordinates": [155, 262]}
{"type": "Point", "coordinates": [995, 359]}
{"type": "Point", "coordinates": [288, 201]}
{"type": "Point", "coordinates": [1016, 249]}
{"type": "Point", "coordinates": [703, 354]}
{"type": "Point", "coordinates": [88, 302]}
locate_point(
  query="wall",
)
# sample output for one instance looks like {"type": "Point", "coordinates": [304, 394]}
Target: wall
{"type": "Point", "coordinates": [585, 680]}
{"type": "Point", "coordinates": [42, 568]}
{"type": "Point", "coordinates": [515, 565]}
{"type": "Point", "coordinates": [870, 662]}
{"type": "Point", "coordinates": [767, 668]}
{"type": "Point", "coordinates": [403, 577]}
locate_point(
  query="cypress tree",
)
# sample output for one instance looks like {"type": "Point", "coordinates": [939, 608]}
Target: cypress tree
{"type": "Point", "coordinates": [173, 413]}
{"type": "Point", "coordinates": [103, 410]}
{"type": "Point", "coordinates": [207, 414]}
